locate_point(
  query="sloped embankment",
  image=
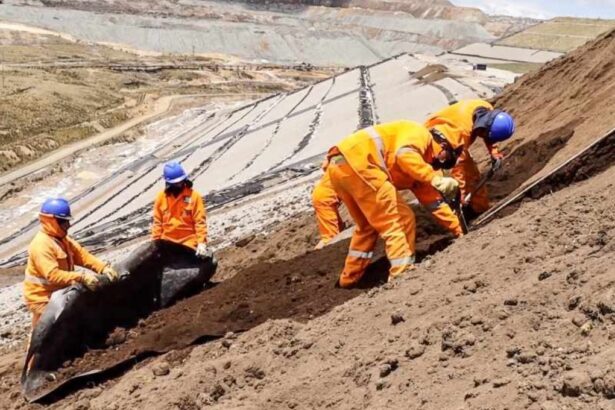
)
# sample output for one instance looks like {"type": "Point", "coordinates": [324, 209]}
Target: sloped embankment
{"type": "Point", "coordinates": [518, 313]}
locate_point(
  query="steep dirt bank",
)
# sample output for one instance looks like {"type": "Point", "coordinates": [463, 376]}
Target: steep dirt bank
{"type": "Point", "coordinates": [518, 313]}
{"type": "Point", "coordinates": [573, 93]}
{"type": "Point", "coordinates": [525, 322]}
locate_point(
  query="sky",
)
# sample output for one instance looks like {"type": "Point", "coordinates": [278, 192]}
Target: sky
{"type": "Point", "coordinates": [544, 9]}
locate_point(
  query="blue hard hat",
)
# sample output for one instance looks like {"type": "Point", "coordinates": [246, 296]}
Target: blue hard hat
{"type": "Point", "coordinates": [57, 207]}
{"type": "Point", "coordinates": [174, 173]}
{"type": "Point", "coordinates": [502, 127]}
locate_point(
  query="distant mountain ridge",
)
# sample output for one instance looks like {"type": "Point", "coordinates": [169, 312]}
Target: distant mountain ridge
{"type": "Point", "coordinates": [437, 9]}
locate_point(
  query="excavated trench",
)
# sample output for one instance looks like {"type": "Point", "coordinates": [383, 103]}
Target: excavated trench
{"type": "Point", "coordinates": [594, 159]}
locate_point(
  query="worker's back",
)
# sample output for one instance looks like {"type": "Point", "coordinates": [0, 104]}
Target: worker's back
{"type": "Point", "coordinates": [457, 119]}
{"type": "Point", "coordinates": [372, 152]}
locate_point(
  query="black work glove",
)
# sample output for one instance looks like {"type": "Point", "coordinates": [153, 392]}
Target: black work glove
{"type": "Point", "coordinates": [496, 163]}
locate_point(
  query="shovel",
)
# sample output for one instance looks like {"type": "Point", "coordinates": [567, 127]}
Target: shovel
{"type": "Point", "coordinates": [457, 203]}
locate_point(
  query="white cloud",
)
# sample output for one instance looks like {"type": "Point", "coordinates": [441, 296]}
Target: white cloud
{"type": "Point", "coordinates": [600, 3]}
{"type": "Point", "coordinates": [518, 8]}
{"type": "Point", "coordinates": [544, 9]}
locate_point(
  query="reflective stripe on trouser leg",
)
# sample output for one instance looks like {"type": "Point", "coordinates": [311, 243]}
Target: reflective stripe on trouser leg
{"type": "Point", "coordinates": [364, 237]}
{"type": "Point", "coordinates": [381, 212]}
{"type": "Point", "coordinates": [467, 174]}
{"type": "Point", "coordinates": [360, 254]}
{"type": "Point", "coordinates": [405, 261]}
{"type": "Point", "coordinates": [431, 199]}
{"type": "Point", "coordinates": [394, 221]}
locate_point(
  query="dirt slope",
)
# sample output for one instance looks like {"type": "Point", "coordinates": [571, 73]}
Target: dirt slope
{"type": "Point", "coordinates": [523, 322]}
{"type": "Point", "coordinates": [516, 315]}
{"type": "Point", "coordinates": [575, 92]}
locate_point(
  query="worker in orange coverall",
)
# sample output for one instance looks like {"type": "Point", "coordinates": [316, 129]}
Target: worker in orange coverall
{"type": "Point", "coordinates": [474, 119]}
{"type": "Point", "coordinates": [52, 257]}
{"type": "Point", "coordinates": [326, 207]}
{"type": "Point", "coordinates": [179, 212]}
{"type": "Point", "coordinates": [368, 168]}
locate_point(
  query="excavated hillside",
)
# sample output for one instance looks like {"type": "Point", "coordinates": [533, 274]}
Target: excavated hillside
{"type": "Point", "coordinates": [440, 9]}
{"type": "Point", "coordinates": [574, 93]}
{"type": "Point", "coordinates": [518, 314]}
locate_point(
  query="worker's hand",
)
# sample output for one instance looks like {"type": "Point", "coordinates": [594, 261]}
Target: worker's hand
{"type": "Point", "coordinates": [91, 281]}
{"type": "Point", "coordinates": [110, 273]}
{"type": "Point", "coordinates": [447, 186]}
{"type": "Point", "coordinates": [203, 251]}
{"type": "Point", "coordinates": [496, 161]}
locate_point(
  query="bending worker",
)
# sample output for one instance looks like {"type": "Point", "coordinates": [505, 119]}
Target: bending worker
{"type": "Point", "coordinates": [326, 207]}
{"type": "Point", "coordinates": [473, 119]}
{"type": "Point", "coordinates": [52, 257]}
{"type": "Point", "coordinates": [179, 213]}
{"type": "Point", "coordinates": [368, 168]}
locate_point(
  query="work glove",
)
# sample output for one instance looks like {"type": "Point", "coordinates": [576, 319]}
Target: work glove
{"type": "Point", "coordinates": [91, 281]}
{"type": "Point", "coordinates": [447, 186]}
{"type": "Point", "coordinates": [203, 251]}
{"type": "Point", "coordinates": [496, 161]}
{"type": "Point", "coordinates": [110, 273]}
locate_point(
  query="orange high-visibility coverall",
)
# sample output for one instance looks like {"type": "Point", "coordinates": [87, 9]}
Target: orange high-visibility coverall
{"type": "Point", "coordinates": [366, 169]}
{"type": "Point", "coordinates": [459, 118]}
{"type": "Point", "coordinates": [52, 257]}
{"type": "Point", "coordinates": [180, 219]}
{"type": "Point", "coordinates": [326, 207]}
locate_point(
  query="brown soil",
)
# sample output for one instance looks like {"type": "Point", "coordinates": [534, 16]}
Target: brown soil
{"type": "Point", "coordinates": [573, 92]}
{"type": "Point", "coordinates": [266, 290]}
{"type": "Point", "coordinates": [283, 241]}
{"type": "Point", "coordinates": [519, 313]}
{"type": "Point", "coordinates": [527, 159]}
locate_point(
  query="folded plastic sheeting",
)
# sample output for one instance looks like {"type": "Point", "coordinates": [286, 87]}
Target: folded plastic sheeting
{"type": "Point", "coordinates": [75, 320]}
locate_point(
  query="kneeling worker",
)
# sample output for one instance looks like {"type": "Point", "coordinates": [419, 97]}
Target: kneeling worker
{"type": "Point", "coordinates": [179, 213]}
{"type": "Point", "coordinates": [52, 257]}
{"type": "Point", "coordinates": [367, 170]}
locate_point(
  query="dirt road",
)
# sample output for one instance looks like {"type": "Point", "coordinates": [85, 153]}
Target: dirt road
{"type": "Point", "coordinates": [161, 106]}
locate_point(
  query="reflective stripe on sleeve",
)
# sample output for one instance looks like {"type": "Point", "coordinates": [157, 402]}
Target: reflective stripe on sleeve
{"type": "Point", "coordinates": [360, 254]}
{"type": "Point", "coordinates": [37, 280]}
{"type": "Point", "coordinates": [407, 260]}
{"type": "Point", "coordinates": [337, 160]}
{"type": "Point", "coordinates": [404, 150]}
{"type": "Point", "coordinates": [379, 148]}
{"type": "Point", "coordinates": [435, 205]}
